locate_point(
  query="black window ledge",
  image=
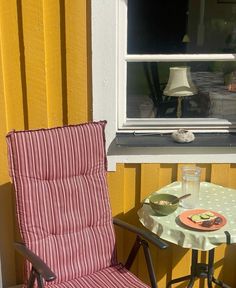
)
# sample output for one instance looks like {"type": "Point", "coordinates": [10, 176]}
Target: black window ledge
{"type": "Point", "coordinates": [165, 140]}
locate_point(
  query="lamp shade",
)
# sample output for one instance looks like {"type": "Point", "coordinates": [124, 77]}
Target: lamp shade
{"type": "Point", "coordinates": [180, 83]}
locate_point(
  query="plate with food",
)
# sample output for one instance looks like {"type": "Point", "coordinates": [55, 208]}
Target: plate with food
{"type": "Point", "coordinates": [202, 219]}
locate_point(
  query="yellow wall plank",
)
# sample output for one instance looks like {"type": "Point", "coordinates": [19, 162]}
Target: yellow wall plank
{"type": "Point", "coordinates": [167, 174]}
{"type": "Point", "coordinates": [220, 174]}
{"type": "Point", "coordinates": [76, 60]}
{"type": "Point", "coordinates": [149, 179]}
{"type": "Point", "coordinates": [152, 180]}
{"type": "Point", "coordinates": [232, 176]}
{"type": "Point", "coordinates": [34, 56]}
{"type": "Point", "coordinates": [11, 70]}
{"type": "Point", "coordinates": [7, 255]}
{"type": "Point", "coordinates": [205, 172]}
{"type": "Point", "coordinates": [228, 270]}
{"type": "Point", "coordinates": [180, 264]}
{"type": "Point", "coordinates": [132, 187]}
{"type": "Point", "coordinates": [53, 75]}
{"type": "Point", "coordinates": [219, 262]}
{"type": "Point", "coordinates": [116, 189]}
{"type": "Point", "coordinates": [12, 116]}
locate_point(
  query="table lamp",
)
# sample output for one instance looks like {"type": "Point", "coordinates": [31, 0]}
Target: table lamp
{"type": "Point", "coordinates": [180, 85]}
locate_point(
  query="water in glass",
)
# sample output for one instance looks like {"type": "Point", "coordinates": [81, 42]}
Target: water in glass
{"type": "Point", "coordinates": [190, 184]}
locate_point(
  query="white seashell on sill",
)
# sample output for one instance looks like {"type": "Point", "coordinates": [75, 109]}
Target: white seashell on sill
{"type": "Point", "coordinates": [183, 136]}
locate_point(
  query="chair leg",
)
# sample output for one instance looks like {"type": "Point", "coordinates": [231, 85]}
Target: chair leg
{"type": "Point", "coordinates": [133, 253]}
{"type": "Point", "coordinates": [33, 276]}
{"type": "Point", "coordinates": [39, 280]}
{"type": "Point", "coordinates": [149, 262]}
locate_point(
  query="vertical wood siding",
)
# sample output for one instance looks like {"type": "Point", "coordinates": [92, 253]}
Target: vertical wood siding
{"type": "Point", "coordinates": [45, 81]}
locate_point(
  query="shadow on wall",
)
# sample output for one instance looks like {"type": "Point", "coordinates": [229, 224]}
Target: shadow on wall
{"type": "Point", "coordinates": [125, 240]}
{"type": "Point", "coordinates": [8, 259]}
{"type": "Point", "coordinates": [229, 265]}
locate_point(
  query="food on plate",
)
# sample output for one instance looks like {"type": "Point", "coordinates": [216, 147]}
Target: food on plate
{"type": "Point", "coordinates": [218, 220]}
{"type": "Point", "coordinates": [207, 223]}
{"type": "Point", "coordinates": [200, 217]}
{"type": "Point", "coordinates": [206, 219]}
{"type": "Point", "coordinates": [196, 218]}
{"type": "Point", "coordinates": [209, 213]}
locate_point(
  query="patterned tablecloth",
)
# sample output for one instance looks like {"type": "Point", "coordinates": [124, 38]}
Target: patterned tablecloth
{"type": "Point", "coordinates": [212, 197]}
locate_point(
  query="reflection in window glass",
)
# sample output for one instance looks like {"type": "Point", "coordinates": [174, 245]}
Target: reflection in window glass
{"type": "Point", "coordinates": [215, 97]}
{"type": "Point", "coordinates": [178, 27]}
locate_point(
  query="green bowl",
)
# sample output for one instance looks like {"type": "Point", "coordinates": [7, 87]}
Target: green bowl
{"type": "Point", "coordinates": [160, 208]}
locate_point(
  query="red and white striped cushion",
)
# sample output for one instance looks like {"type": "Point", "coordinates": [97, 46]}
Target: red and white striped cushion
{"type": "Point", "coordinates": [62, 199]}
{"type": "Point", "coordinates": [111, 277]}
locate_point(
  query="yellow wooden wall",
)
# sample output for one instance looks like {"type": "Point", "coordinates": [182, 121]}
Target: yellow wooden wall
{"type": "Point", "coordinates": [45, 81]}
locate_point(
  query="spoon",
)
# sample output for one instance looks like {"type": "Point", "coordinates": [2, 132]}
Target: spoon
{"type": "Point", "coordinates": [180, 198]}
{"type": "Point", "coordinates": [176, 200]}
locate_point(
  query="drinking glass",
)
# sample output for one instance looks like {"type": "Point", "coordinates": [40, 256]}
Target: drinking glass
{"type": "Point", "coordinates": [190, 184]}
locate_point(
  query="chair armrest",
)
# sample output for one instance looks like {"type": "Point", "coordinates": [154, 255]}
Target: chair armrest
{"type": "Point", "coordinates": [38, 264]}
{"type": "Point", "coordinates": [148, 235]}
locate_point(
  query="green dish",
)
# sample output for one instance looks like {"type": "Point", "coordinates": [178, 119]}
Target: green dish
{"type": "Point", "coordinates": [159, 207]}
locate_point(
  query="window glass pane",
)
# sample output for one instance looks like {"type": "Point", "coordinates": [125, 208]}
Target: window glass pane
{"type": "Point", "coordinates": [186, 26]}
{"type": "Point", "coordinates": [213, 90]}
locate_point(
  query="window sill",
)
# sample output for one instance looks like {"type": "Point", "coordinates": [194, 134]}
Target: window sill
{"type": "Point", "coordinates": [165, 140]}
{"type": "Point", "coordinates": [127, 148]}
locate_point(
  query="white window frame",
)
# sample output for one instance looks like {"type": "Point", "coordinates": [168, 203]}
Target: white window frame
{"type": "Point", "coordinates": [109, 75]}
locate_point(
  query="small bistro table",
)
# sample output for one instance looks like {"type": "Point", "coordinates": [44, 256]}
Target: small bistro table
{"type": "Point", "coordinates": [212, 197]}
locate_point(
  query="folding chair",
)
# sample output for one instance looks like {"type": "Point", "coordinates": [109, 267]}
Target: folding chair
{"type": "Point", "coordinates": [64, 213]}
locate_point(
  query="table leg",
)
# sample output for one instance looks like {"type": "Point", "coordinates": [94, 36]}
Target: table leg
{"type": "Point", "coordinates": [220, 283]}
{"type": "Point", "coordinates": [210, 276]}
{"type": "Point", "coordinates": [210, 267]}
{"type": "Point", "coordinates": [180, 279]}
{"type": "Point", "coordinates": [190, 277]}
{"type": "Point", "coordinates": [200, 270]}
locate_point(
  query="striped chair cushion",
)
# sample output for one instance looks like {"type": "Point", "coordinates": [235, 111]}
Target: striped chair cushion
{"type": "Point", "coordinates": [112, 277]}
{"type": "Point", "coordinates": [62, 200]}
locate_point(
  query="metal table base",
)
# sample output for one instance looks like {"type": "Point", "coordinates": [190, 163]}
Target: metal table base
{"type": "Point", "coordinates": [200, 270]}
